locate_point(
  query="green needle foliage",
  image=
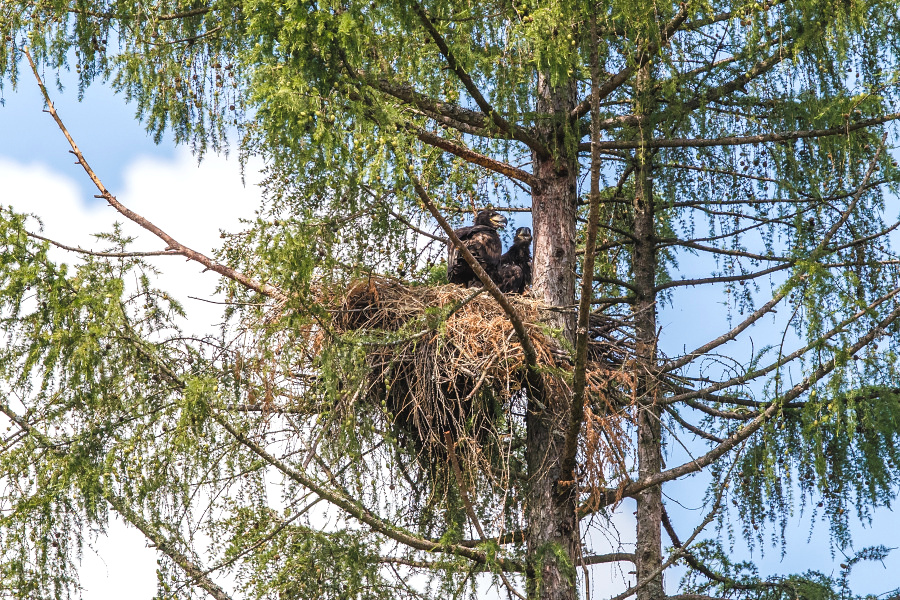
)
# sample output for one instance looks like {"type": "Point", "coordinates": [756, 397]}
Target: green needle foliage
{"type": "Point", "coordinates": [741, 148]}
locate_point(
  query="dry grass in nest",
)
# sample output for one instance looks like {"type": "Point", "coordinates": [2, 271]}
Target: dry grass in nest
{"type": "Point", "coordinates": [445, 358]}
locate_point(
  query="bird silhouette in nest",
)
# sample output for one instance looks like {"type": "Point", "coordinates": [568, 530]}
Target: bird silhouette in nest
{"type": "Point", "coordinates": [514, 272]}
{"type": "Point", "coordinates": [483, 241]}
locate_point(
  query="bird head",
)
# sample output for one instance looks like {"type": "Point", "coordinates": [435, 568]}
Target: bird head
{"type": "Point", "coordinates": [523, 236]}
{"type": "Point", "coordinates": [490, 218]}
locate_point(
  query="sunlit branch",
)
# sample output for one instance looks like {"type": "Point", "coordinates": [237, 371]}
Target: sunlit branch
{"type": "Point", "coordinates": [696, 245]}
{"type": "Point", "coordinates": [81, 250]}
{"type": "Point", "coordinates": [511, 537]}
{"type": "Point", "coordinates": [471, 156]}
{"type": "Point", "coordinates": [751, 375]}
{"type": "Point", "coordinates": [463, 119]}
{"type": "Point", "coordinates": [193, 38]}
{"type": "Point", "coordinates": [724, 16]}
{"type": "Point", "coordinates": [724, 414]}
{"type": "Point", "coordinates": [786, 220]}
{"type": "Point", "coordinates": [865, 240]}
{"type": "Point", "coordinates": [599, 559]}
{"type": "Point", "coordinates": [777, 404]}
{"type": "Point", "coordinates": [171, 243]}
{"type": "Point", "coordinates": [616, 282]}
{"type": "Point", "coordinates": [728, 336]}
{"type": "Point", "coordinates": [354, 509]}
{"type": "Point", "coordinates": [668, 243]}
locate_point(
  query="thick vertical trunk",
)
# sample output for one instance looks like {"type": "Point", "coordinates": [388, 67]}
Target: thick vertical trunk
{"type": "Point", "coordinates": [649, 442]}
{"type": "Point", "coordinates": [553, 206]}
{"type": "Point", "coordinates": [552, 532]}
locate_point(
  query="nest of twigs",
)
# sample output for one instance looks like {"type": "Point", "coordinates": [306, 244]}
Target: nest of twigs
{"type": "Point", "coordinates": [446, 359]}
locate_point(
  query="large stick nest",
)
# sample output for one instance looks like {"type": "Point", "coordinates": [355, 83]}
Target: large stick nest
{"type": "Point", "coordinates": [446, 359]}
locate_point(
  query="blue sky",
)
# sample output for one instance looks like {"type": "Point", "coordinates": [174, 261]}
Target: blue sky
{"type": "Point", "coordinates": [157, 179]}
{"type": "Point", "coordinates": [103, 125]}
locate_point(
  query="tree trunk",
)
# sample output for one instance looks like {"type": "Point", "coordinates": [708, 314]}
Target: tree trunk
{"type": "Point", "coordinates": [649, 440]}
{"type": "Point", "coordinates": [552, 532]}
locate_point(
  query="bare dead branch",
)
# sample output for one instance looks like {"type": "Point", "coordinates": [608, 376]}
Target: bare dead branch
{"type": "Point", "coordinates": [695, 430]}
{"type": "Point", "coordinates": [171, 244]}
{"type": "Point", "coordinates": [599, 559]}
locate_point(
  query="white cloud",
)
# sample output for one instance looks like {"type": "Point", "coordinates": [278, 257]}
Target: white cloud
{"type": "Point", "coordinates": [189, 202]}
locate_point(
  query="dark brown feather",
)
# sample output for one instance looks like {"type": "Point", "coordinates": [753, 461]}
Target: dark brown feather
{"type": "Point", "coordinates": [483, 241]}
{"type": "Point", "coordinates": [514, 272]}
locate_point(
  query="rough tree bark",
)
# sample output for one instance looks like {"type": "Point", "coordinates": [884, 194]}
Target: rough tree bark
{"type": "Point", "coordinates": [552, 529]}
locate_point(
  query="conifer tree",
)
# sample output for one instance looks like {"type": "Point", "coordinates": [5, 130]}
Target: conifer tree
{"type": "Point", "coordinates": [747, 142]}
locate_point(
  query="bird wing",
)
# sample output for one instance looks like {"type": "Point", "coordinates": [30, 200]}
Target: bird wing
{"type": "Point", "coordinates": [485, 246]}
{"type": "Point", "coordinates": [510, 279]}
{"type": "Point", "coordinates": [458, 270]}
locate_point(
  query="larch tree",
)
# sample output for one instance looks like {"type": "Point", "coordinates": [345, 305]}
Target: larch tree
{"type": "Point", "coordinates": [747, 141]}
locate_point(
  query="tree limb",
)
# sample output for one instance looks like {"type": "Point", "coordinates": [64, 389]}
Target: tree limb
{"type": "Point", "coordinates": [471, 156]}
{"type": "Point", "coordinates": [514, 131]}
{"type": "Point", "coordinates": [644, 56]}
{"type": "Point", "coordinates": [582, 335]}
{"type": "Point", "coordinates": [742, 140]}
{"type": "Point", "coordinates": [745, 432]}
{"type": "Point", "coordinates": [172, 245]}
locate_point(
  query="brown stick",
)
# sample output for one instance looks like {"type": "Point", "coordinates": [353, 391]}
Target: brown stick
{"type": "Point", "coordinates": [172, 245]}
{"type": "Point", "coordinates": [473, 157]}
{"type": "Point", "coordinates": [576, 411]}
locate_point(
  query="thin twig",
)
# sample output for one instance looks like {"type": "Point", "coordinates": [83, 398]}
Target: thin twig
{"type": "Point", "coordinates": [81, 250]}
{"type": "Point", "coordinates": [464, 492]}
